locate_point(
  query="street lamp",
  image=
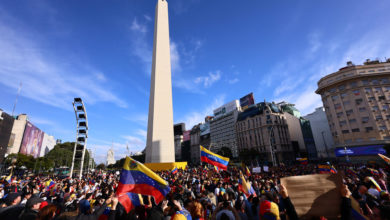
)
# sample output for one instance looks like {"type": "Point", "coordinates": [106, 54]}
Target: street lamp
{"type": "Point", "coordinates": [326, 146]}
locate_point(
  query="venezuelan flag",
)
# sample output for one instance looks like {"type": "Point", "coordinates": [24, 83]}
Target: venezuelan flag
{"type": "Point", "coordinates": [356, 212]}
{"type": "Point", "coordinates": [213, 158]}
{"type": "Point", "coordinates": [350, 171]}
{"type": "Point", "coordinates": [9, 178]}
{"type": "Point", "coordinates": [245, 187]}
{"type": "Point", "coordinates": [137, 178]}
{"type": "Point", "coordinates": [375, 184]}
{"type": "Point", "coordinates": [181, 215]}
{"type": "Point", "coordinates": [386, 159]}
{"type": "Point", "coordinates": [216, 168]}
{"type": "Point", "coordinates": [373, 171]}
{"type": "Point", "coordinates": [174, 171]}
{"type": "Point", "coordinates": [333, 170]}
{"type": "Point", "coordinates": [130, 200]}
{"type": "Point", "coordinates": [324, 168]}
{"type": "Point", "coordinates": [303, 161]}
{"type": "Point", "coordinates": [248, 172]}
{"type": "Point", "coordinates": [49, 184]}
{"type": "Point", "coordinates": [105, 214]}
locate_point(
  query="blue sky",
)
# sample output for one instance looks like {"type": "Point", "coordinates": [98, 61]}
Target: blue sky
{"type": "Point", "coordinates": [221, 50]}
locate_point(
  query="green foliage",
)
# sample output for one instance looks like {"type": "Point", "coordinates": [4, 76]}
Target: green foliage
{"type": "Point", "coordinates": [60, 155]}
{"type": "Point", "coordinates": [101, 166]}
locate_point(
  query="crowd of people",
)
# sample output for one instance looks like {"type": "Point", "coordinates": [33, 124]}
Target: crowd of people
{"type": "Point", "coordinates": [195, 193]}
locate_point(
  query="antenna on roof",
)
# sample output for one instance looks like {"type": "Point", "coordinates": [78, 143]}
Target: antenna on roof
{"type": "Point", "coordinates": [16, 99]}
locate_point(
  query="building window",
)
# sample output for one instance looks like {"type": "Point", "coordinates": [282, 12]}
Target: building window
{"type": "Point", "coordinates": [375, 108]}
{"type": "Point", "coordinates": [353, 84]}
{"type": "Point", "coordinates": [385, 107]}
{"type": "Point", "coordinates": [365, 82]}
{"type": "Point", "coordinates": [348, 112]}
{"type": "Point", "coordinates": [342, 123]}
{"type": "Point", "coordinates": [381, 98]}
{"type": "Point", "coordinates": [356, 92]}
{"type": "Point", "coordinates": [387, 88]}
{"type": "Point", "coordinates": [378, 89]}
{"type": "Point", "coordinates": [346, 102]}
{"type": "Point", "coordinates": [352, 120]}
{"type": "Point", "coordinates": [375, 82]}
{"type": "Point", "coordinates": [386, 137]}
{"type": "Point", "coordinates": [345, 131]}
{"type": "Point", "coordinates": [358, 101]}
{"type": "Point", "coordinates": [382, 128]}
{"type": "Point", "coordinates": [373, 139]}
{"type": "Point", "coordinates": [339, 114]}
{"type": "Point", "coordinates": [348, 141]}
{"type": "Point", "coordinates": [332, 90]}
{"type": "Point", "coordinates": [371, 99]}
{"type": "Point", "coordinates": [365, 119]}
{"type": "Point", "coordinates": [359, 139]}
{"type": "Point", "coordinates": [337, 106]}
{"type": "Point", "coordinates": [341, 88]}
{"type": "Point", "coordinates": [367, 90]}
{"type": "Point", "coordinates": [387, 116]}
{"type": "Point", "coordinates": [362, 109]}
{"type": "Point", "coordinates": [335, 97]}
{"type": "Point", "coordinates": [355, 130]}
{"type": "Point", "coordinates": [368, 129]}
{"type": "Point", "coordinates": [343, 95]}
{"type": "Point", "coordinates": [378, 117]}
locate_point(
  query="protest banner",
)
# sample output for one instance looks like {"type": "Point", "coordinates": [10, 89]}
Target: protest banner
{"type": "Point", "coordinates": [315, 195]}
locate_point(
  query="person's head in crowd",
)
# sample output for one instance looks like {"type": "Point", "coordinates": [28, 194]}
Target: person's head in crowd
{"type": "Point", "coordinates": [47, 213]}
{"type": "Point", "coordinates": [362, 190]}
{"type": "Point", "coordinates": [13, 198]}
{"type": "Point", "coordinates": [34, 203]}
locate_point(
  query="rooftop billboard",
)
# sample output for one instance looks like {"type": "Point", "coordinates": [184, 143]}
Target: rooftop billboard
{"type": "Point", "coordinates": [228, 107]}
{"type": "Point", "coordinates": [32, 141]}
{"type": "Point", "coordinates": [247, 101]}
{"type": "Point", "coordinates": [360, 151]}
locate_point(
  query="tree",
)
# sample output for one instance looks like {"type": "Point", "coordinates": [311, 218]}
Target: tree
{"type": "Point", "coordinates": [62, 155]}
{"type": "Point", "coordinates": [101, 166]}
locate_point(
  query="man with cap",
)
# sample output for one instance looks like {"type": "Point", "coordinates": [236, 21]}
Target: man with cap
{"type": "Point", "coordinates": [31, 209]}
{"type": "Point", "coordinates": [13, 206]}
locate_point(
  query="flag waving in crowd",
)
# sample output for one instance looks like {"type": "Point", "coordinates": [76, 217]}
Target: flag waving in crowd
{"type": "Point", "coordinates": [213, 158]}
{"type": "Point", "coordinates": [245, 187]}
{"type": "Point", "coordinates": [137, 178]}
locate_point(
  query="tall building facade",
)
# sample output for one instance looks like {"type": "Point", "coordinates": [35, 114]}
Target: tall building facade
{"type": "Point", "coordinates": [178, 130]}
{"type": "Point", "coordinates": [222, 128]}
{"type": "Point", "coordinates": [48, 144]}
{"type": "Point", "coordinates": [262, 127]}
{"type": "Point", "coordinates": [200, 135]}
{"type": "Point", "coordinates": [6, 124]}
{"type": "Point", "coordinates": [321, 133]}
{"type": "Point", "coordinates": [356, 101]}
{"type": "Point", "coordinates": [17, 134]}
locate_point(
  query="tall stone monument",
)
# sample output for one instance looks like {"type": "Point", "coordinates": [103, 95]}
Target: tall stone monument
{"type": "Point", "coordinates": [160, 143]}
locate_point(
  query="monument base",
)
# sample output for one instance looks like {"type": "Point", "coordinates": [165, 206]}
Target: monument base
{"type": "Point", "coordinates": [166, 166]}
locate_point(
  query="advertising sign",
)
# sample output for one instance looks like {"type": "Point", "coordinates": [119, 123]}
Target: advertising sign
{"type": "Point", "coordinates": [32, 141]}
{"type": "Point", "coordinates": [256, 170]}
{"type": "Point", "coordinates": [204, 128]}
{"type": "Point", "coordinates": [229, 107]}
{"type": "Point", "coordinates": [186, 135]}
{"type": "Point", "coordinates": [247, 101]}
{"type": "Point", "coordinates": [360, 151]}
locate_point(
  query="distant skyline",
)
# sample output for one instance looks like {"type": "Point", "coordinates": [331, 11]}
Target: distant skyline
{"type": "Point", "coordinates": [221, 50]}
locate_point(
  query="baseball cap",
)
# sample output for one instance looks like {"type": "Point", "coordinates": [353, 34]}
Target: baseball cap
{"type": "Point", "coordinates": [269, 210]}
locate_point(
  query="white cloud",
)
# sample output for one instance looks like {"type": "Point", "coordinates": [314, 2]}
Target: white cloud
{"type": "Point", "coordinates": [141, 133]}
{"type": "Point", "coordinates": [209, 80]}
{"type": "Point", "coordinates": [175, 58]}
{"type": "Point", "coordinates": [196, 117]}
{"type": "Point", "coordinates": [44, 78]}
{"type": "Point", "coordinates": [147, 17]}
{"type": "Point", "coordinates": [141, 119]}
{"type": "Point", "coordinates": [135, 26]}
{"type": "Point", "coordinates": [233, 81]}
{"type": "Point", "coordinates": [135, 142]}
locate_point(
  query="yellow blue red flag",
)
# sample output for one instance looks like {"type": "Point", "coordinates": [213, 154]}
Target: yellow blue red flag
{"type": "Point", "coordinates": [137, 178]}
{"type": "Point", "coordinates": [213, 158]}
{"type": "Point", "coordinates": [130, 200]}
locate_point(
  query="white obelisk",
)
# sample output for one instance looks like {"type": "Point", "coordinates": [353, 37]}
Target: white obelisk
{"type": "Point", "coordinates": [160, 142]}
